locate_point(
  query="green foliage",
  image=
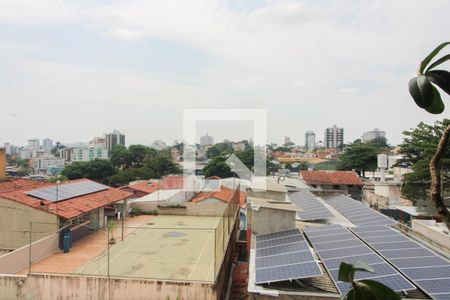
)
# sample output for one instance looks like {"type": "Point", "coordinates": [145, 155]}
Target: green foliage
{"type": "Point", "coordinates": [161, 164]}
{"type": "Point", "coordinates": [218, 167]}
{"type": "Point", "coordinates": [421, 87]}
{"type": "Point", "coordinates": [364, 289]}
{"type": "Point", "coordinates": [99, 170]}
{"type": "Point", "coordinates": [418, 147]}
{"type": "Point", "coordinates": [55, 150]}
{"type": "Point", "coordinates": [327, 165]}
{"type": "Point", "coordinates": [132, 163]}
{"type": "Point", "coordinates": [360, 157]}
{"type": "Point", "coordinates": [219, 149]}
{"type": "Point", "coordinates": [59, 178]}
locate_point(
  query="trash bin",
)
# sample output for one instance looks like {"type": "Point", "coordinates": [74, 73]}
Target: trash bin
{"type": "Point", "coordinates": [66, 242]}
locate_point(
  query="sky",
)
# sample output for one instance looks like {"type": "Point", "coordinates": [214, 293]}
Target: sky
{"type": "Point", "coordinates": [72, 70]}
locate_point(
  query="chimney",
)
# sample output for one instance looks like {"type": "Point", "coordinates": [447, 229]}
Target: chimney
{"type": "Point", "coordinates": [2, 163]}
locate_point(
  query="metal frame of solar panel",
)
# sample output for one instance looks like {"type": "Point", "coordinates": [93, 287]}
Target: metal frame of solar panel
{"type": "Point", "coordinates": [335, 244]}
{"type": "Point", "coordinates": [313, 209]}
{"type": "Point", "coordinates": [282, 256]}
{"type": "Point", "coordinates": [425, 268]}
{"type": "Point", "coordinates": [357, 212]}
{"type": "Point", "coordinates": [67, 191]}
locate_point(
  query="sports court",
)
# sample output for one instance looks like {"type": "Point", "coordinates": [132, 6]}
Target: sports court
{"type": "Point", "coordinates": [167, 247]}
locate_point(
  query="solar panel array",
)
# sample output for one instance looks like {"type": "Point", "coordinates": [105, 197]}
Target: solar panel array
{"type": "Point", "coordinates": [357, 212]}
{"type": "Point", "coordinates": [425, 268]}
{"type": "Point", "coordinates": [335, 244]}
{"type": "Point", "coordinates": [313, 209]}
{"type": "Point", "coordinates": [284, 255]}
{"type": "Point", "coordinates": [67, 191]}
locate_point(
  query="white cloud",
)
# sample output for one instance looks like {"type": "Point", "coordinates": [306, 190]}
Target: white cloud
{"type": "Point", "coordinates": [289, 56]}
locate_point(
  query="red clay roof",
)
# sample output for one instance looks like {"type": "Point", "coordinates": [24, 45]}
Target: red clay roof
{"type": "Point", "coordinates": [335, 177]}
{"type": "Point", "coordinates": [20, 183]}
{"type": "Point", "coordinates": [69, 208]}
{"type": "Point", "coordinates": [145, 186]}
{"type": "Point", "coordinates": [167, 183]}
{"type": "Point", "coordinates": [172, 182]}
{"type": "Point", "coordinates": [224, 194]}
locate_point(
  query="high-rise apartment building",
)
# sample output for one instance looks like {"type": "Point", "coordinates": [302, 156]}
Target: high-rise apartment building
{"type": "Point", "coordinates": [113, 139]}
{"type": "Point", "coordinates": [373, 135]}
{"type": "Point", "coordinates": [88, 154]}
{"type": "Point", "coordinates": [206, 140]}
{"type": "Point", "coordinates": [97, 142]}
{"type": "Point", "coordinates": [310, 140]}
{"type": "Point", "coordinates": [33, 144]}
{"type": "Point", "coordinates": [47, 145]}
{"type": "Point", "coordinates": [334, 137]}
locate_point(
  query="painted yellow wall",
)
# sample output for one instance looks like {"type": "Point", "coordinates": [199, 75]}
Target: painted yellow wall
{"type": "Point", "coordinates": [15, 221]}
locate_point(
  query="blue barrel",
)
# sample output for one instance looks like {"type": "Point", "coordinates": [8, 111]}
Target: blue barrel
{"type": "Point", "coordinates": [66, 242]}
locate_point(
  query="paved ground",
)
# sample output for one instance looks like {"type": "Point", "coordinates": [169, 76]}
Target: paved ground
{"type": "Point", "coordinates": [167, 247]}
{"type": "Point", "coordinates": [83, 250]}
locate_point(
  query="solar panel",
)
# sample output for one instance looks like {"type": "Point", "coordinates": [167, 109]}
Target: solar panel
{"type": "Point", "coordinates": [425, 268]}
{"type": "Point", "coordinates": [334, 250]}
{"type": "Point", "coordinates": [67, 191]}
{"type": "Point", "coordinates": [357, 212]}
{"type": "Point", "coordinates": [284, 255]}
{"type": "Point", "coordinates": [313, 209]}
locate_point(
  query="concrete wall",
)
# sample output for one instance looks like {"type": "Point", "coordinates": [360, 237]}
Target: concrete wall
{"type": "Point", "coordinates": [271, 195]}
{"type": "Point", "coordinates": [15, 221]}
{"type": "Point", "coordinates": [48, 287]}
{"type": "Point", "coordinates": [437, 237]}
{"type": "Point", "coordinates": [192, 209]}
{"type": "Point", "coordinates": [263, 220]}
{"type": "Point", "coordinates": [18, 260]}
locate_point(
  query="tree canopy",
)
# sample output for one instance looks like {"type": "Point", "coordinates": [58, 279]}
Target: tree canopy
{"type": "Point", "coordinates": [99, 170]}
{"type": "Point", "coordinates": [418, 147]}
{"type": "Point", "coordinates": [219, 149]}
{"type": "Point", "coordinates": [360, 157]}
{"type": "Point", "coordinates": [126, 164]}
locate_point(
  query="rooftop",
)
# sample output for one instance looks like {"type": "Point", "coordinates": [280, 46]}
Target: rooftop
{"type": "Point", "coordinates": [223, 194]}
{"type": "Point", "coordinates": [168, 247]}
{"type": "Point", "coordinates": [69, 208]}
{"type": "Point", "coordinates": [8, 185]}
{"type": "Point", "coordinates": [333, 177]}
{"type": "Point", "coordinates": [259, 202]}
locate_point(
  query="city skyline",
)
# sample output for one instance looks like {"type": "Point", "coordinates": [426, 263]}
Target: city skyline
{"type": "Point", "coordinates": [133, 68]}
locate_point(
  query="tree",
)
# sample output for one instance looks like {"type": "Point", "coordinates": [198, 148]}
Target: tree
{"type": "Point", "coordinates": [219, 149]}
{"type": "Point", "coordinates": [131, 174]}
{"type": "Point", "coordinates": [218, 167]}
{"type": "Point", "coordinates": [360, 157]}
{"type": "Point", "coordinates": [418, 147]}
{"type": "Point", "coordinates": [161, 164]}
{"type": "Point", "coordinates": [119, 156]}
{"type": "Point", "coordinates": [99, 170]}
{"type": "Point", "coordinates": [55, 150]}
{"type": "Point", "coordinates": [427, 96]}
{"type": "Point", "coordinates": [364, 289]}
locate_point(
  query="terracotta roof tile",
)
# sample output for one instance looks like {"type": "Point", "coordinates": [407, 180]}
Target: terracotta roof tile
{"type": "Point", "coordinates": [9, 185]}
{"type": "Point", "coordinates": [145, 186]}
{"type": "Point", "coordinates": [224, 194]}
{"type": "Point", "coordinates": [69, 208]}
{"type": "Point", "coordinates": [336, 177]}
